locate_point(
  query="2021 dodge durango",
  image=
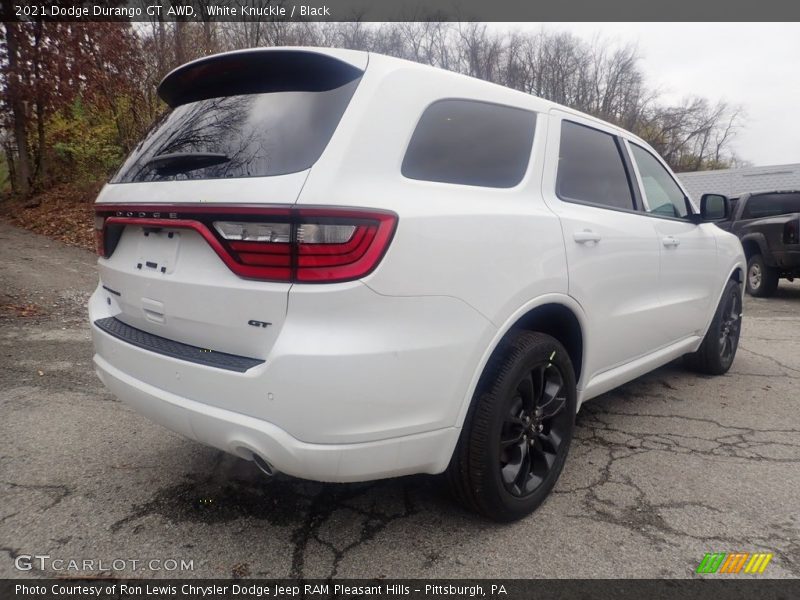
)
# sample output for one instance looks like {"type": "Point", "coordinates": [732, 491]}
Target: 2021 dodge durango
{"type": "Point", "coordinates": [345, 266]}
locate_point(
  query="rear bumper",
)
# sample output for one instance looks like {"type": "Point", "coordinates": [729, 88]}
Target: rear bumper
{"type": "Point", "coordinates": [245, 436]}
{"type": "Point", "coordinates": [358, 386]}
{"type": "Point", "coordinates": [787, 260]}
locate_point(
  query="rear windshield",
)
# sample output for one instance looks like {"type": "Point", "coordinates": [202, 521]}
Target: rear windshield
{"type": "Point", "coordinates": [248, 135]}
{"type": "Point", "coordinates": [770, 205]}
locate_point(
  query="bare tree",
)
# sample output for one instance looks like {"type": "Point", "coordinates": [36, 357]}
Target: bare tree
{"type": "Point", "coordinates": [599, 77]}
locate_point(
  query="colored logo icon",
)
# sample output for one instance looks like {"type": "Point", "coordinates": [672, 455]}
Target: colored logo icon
{"type": "Point", "coordinates": [734, 562]}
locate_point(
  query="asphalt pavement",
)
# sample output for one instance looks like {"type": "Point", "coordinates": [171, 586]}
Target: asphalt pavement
{"type": "Point", "coordinates": [664, 469]}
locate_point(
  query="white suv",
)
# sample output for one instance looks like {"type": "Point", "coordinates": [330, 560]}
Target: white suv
{"type": "Point", "coordinates": [346, 266]}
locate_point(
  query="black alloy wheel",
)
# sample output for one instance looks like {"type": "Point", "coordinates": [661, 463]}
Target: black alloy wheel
{"type": "Point", "coordinates": [730, 326]}
{"type": "Point", "coordinates": [535, 426]}
{"type": "Point", "coordinates": [715, 355]}
{"type": "Point", "coordinates": [518, 430]}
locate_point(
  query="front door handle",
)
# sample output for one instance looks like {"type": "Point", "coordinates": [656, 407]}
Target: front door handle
{"type": "Point", "coordinates": [586, 236]}
{"type": "Point", "coordinates": [670, 241]}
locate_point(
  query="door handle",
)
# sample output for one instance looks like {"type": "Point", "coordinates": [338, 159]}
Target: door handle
{"type": "Point", "coordinates": [586, 236]}
{"type": "Point", "coordinates": [670, 241]}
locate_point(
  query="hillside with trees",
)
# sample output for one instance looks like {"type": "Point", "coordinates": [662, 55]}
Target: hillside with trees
{"type": "Point", "coordinates": [75, 98]}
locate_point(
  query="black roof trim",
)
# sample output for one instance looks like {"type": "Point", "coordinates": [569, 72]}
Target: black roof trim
{"type": "Point", "coordinates": [255, 72]}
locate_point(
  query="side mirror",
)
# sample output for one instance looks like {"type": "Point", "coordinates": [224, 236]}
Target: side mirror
{"type": "Point", "coordinates": [714, 207]}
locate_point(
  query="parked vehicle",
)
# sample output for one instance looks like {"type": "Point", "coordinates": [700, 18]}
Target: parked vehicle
{"type": "Point", "coordinates": [768, 224]}
{"type": "Point", "coordinates": [345, 266]}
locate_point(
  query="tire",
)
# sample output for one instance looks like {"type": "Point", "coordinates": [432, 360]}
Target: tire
{"type": "Point", "coordinates": [518, 431]}
{"type": "Point", "coordinates": [716, 353]}
{"type": "Point", "coordinates": [762, 280]}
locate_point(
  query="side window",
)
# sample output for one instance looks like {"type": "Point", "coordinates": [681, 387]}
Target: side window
{"type": "Point", "coordinates": [591, 169]}
{"type": "Point", "coordinates": [471, 143]}
{"type": "Point", "coordinates": [661, 194]}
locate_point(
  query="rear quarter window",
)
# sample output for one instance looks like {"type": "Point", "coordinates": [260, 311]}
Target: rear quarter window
{"type": "Point", "coordinates": [469, 142]}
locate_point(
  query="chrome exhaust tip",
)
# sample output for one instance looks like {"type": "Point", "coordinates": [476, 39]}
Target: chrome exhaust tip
{"type": "Point", "coordinates": [263, 466]}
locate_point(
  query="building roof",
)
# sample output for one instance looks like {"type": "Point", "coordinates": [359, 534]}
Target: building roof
{"type": "Point", "coordinates": [734, 182]}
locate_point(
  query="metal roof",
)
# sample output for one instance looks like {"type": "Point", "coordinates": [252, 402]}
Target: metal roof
{"type": "Point", "coordinates": [734, 182]}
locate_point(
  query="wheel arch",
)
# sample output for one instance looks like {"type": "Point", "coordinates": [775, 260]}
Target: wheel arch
{"type": "Point", "coordinates": [735, 273]}
{"type": "Point", "coordinates": [557, 315]}
{"type": "Point", "coordinates": [754, 243]}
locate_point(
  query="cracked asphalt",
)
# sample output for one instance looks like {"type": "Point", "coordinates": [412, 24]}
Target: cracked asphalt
{"type": "Point", "coordinates": [663, 469]}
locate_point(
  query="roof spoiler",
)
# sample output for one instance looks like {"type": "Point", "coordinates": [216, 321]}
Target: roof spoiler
{"type": "Point", "coordinates": [254, 72]}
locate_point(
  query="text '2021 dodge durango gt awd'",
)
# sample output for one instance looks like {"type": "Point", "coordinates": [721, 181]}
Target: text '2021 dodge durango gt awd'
{"type": "Point", "coordinates": [346, 266]}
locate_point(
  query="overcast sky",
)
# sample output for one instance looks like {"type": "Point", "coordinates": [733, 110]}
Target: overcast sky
{"type": "Point", "coordinates": [755, 65]}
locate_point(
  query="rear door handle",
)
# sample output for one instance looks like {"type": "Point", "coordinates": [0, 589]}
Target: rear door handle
{"type": "Point", "coordinates": [585, 236]}
{"type": "Point", "coordinates": [670, 241]}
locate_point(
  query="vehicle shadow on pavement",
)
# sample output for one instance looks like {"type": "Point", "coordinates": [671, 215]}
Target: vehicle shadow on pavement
{"type": "Point", "coordinates": [219, 488]}
{"type": "Point", "coordinates": [629, 446]}
{"type": "Point", "coordinates": [787, 292]}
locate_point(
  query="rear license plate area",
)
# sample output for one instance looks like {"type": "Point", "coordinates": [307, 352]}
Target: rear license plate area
{"type": "Point", "coordinates": [158, 251]}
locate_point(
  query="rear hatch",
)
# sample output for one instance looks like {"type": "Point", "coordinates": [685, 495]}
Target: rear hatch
{"type": "Point", "coordinates": [193, 229]}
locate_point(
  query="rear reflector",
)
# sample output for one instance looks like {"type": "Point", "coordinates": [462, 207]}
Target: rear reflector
{"type": "Point", "coordinates": [99, 231]}
{"type": "Point", "coordinates": [314, 245]}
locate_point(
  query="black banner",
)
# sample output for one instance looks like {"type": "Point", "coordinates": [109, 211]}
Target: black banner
{"type": "Point", "coordinates": [729, 588]}
{"type": "Point", "coordinates": [402, 10]}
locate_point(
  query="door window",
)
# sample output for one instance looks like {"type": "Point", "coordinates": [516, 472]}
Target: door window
{"type": "Point", "coordinates": [590, 168]}
{"type": "Point", "coordinates": [661, 194]}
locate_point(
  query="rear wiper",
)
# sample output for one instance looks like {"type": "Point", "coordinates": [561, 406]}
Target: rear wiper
{"type": "Point", "coordinates": [181, 162]}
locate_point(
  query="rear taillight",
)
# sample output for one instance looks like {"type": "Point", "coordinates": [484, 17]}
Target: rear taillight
{"type": "Point", "coordinates": [330, 248]}
{"type": "Point", "coordinates": [319, 245]}
{"type": "Point", "coordinates": [791, 232]}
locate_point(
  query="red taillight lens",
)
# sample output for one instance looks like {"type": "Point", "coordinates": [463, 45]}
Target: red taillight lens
{"type": "Point", "coordinates": [341, 250]}
{"type": "Point", "coordinates": [294, 245]}
{"type": "Point", "coordinates": [272, 259]}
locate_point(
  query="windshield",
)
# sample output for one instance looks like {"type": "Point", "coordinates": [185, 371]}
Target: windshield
{"type": "Point", "coordinates": [770, 205]}
{"type": "Point", "coordinates": [254, 135]}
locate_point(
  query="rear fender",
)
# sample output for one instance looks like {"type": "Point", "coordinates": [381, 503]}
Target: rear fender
{"type": "Point", "coordinates": [562, 299]}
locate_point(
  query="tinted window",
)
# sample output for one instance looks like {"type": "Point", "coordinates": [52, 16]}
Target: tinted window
{"type": "Point", "coordinates": [471, 143]}
{"type": "Point", "coordinates": [246, 135]}
{"type": "Point", "coordinates": [662, 195]}
{"type": "Point", "coordinates": [770, 205]}
{"type": "Point", "coordinates": [590, 168]}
